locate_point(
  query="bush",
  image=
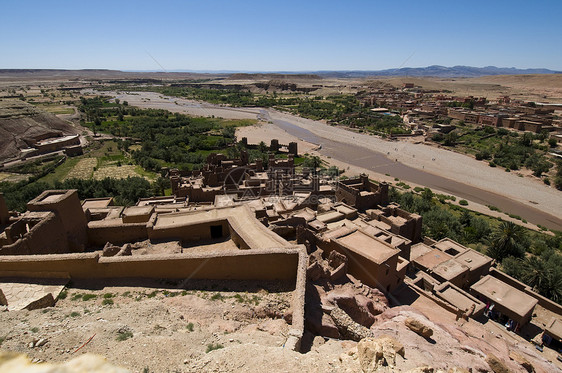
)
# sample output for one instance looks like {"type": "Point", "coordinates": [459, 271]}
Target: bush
{"type": "Point", "coordinates": [463, 202]}
{"type": "Point", "coordinates": [212, 347]}
{"type": "Point", "coordinates": [492, 164]}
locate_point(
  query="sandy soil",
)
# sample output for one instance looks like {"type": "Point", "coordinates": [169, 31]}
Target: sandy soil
{"type": "Point", "coordinates": [163, 328]}
{"type": "Point", "coordinates": [159, 327]}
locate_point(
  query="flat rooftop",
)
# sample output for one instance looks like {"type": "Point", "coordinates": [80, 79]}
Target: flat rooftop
{"type": "Point", "coordinates": [418, 250]}
{"type": "Point", "coordinates": [501, 293]}
{"type": "Point", "coordinates": [456, 297]}
{"type": "Point", "coordinates": [368, 247]}
{"type": "Point", "coordinates": [330, 216]}
{"type": "Point", "coordinates": [446, 244]}
{"type": "Point", "coordinates": [473, 259]}
{"type": "Point", "coordinates": [96, 203]}
{"type": "Point", "coordinates": [56, 140]}
{"type": "Point", "coordinates": [432, 258]}
{"type": "Point", "coordinates": [554, 328]}
{"type": "Point", "coordinates": [450, 269]}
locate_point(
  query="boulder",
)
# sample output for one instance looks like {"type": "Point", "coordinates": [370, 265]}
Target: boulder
{"type": "Point", "coordinates": [348, 328]}
{"type": "Point", "coordinates": [496, 365]}
{"type": "Point", "coordinates": [375, 353]}
{"type": "Point", "coordinates": [519, 359]}
{"type": "Point", "coordinates": [125, 250]}
{"type": "Point", "coordinates": [457, 370]}
{"type": "Point", "coordinates": [418, 327]}
{"type": "Point", "coordinates": [423, 369]}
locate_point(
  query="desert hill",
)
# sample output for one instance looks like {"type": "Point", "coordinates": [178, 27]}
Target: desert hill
{"type": "Point", "coordinates": [22, 123]}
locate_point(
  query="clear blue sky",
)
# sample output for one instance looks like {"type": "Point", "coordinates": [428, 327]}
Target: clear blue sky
{"type": "Point", "coordinates": [279, 35]}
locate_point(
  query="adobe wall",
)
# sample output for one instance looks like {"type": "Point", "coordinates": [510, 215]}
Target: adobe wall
{"type": "Point", "coordinates": [44, 237]}
{"type": "Point", "coordinates": [69, 210]}
{"type": "Point", "coordinates": [273, 264]}
{"type": "Point", "coordinates": [383, 276]}
{"type": "Point", "coordinates": [268, 265]}
{"type": "Point", "coordinates": [47, 237]}
{"type": "Point", "coordinates": [193, 232]}
{"type": "Point", "coordinates": [102, 231]}
{"type": "Point", "coordinates": [58, 145]}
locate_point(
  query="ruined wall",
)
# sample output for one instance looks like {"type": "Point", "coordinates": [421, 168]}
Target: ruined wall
{"type": "Point", "coordinates": [382, 276]}
{"type": "Point", "coordinates": [103, 231]}
{"type": "Point", "coordinates": [35, 236]}
{"type": "Point", "coordinates": [69, 209]}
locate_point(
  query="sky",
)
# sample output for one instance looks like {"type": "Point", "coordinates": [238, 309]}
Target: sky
{"type": "Point", "coordinates": [283, 35]}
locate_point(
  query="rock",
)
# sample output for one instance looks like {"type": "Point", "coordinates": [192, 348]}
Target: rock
{"type": "Point", "coordinates": [424, 369]}
{"type": "Point", "coordinates": [380, 352]}
{"type": "Point", "coordinates": [11, 362]}
{"type": "Point", "coordinates": [519, 359]}
{"type": "Point", "coordinates": [418, 327]}
{"type": "Point", "coordinates": [3, 301]}
{"type": "Point", "coordinates": [458, 370]}
{"type": "Point", "coordinates": [348, 328]}
{"type": "Point", "coordinates": [125, 250]}
{"type": "Point", "coordinates": [110, 250]}
{"type": "Point", "coordinates": [315, 272]}
{"type": "Point", "coordinates": [41, 342]}
{"type": "Point", "coordinates": [496, 364]}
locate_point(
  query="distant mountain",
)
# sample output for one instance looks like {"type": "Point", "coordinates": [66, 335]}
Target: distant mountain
{"type": "Point", "coordinates": [437, 71]}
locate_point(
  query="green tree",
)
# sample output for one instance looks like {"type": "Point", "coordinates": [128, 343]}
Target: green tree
{"type": "Point", "coordinates": [507, 240]}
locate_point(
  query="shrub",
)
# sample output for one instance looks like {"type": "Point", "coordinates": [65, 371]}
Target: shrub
{"type": "Point", "coordinates": [89, 296]}
{"type": "Point", "coordinates": [212, 347]}
{"type": "Point", "coordinates": [124, 334]}
{"type": "Point", "coordinates": [107, 302]}
{"type": "Point", "coordinates": [463, 202]}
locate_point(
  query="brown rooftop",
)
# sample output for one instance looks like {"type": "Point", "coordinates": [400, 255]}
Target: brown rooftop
{"type": "Point", "coordinates": [418, 250]}
{"type": "Point", "coordinates": [432, 258]}
{"type": "Point", "coordinates": [473, 259]}
{"type": "Point", "coordinates": [505, 295]}
{"type": "Point", "coordinates": [367, 246]}
{"type": "Point", "coordinates": [450, 269]}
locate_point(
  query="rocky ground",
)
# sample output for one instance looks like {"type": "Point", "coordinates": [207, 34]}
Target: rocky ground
{"type": "Point", "coordinates": [241, 326]}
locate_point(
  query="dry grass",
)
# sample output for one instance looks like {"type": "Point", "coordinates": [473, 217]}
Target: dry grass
{"type": "Point", "coordinates": [83, 170]}
{"type": "Point", "coordinates": [116, 172]}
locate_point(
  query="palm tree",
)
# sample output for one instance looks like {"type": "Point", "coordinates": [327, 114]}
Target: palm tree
{"type": "Point", "coordinates": [507, 240]}
{"type": "Point", "coordinates": [534, 272]}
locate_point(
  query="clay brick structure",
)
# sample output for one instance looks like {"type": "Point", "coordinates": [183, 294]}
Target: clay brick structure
{"type": "Point", "coordinates": [362, 193]}
{"type": "Point", "coordinates": [506, 299]}
{"type": "Point", "coordinates": [67, 207]}
{"type": "Point", "coordinates": [401, 222]}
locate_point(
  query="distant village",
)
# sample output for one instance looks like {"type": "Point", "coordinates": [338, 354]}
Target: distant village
{"type": "Point", "coordinates": [430, 111]}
